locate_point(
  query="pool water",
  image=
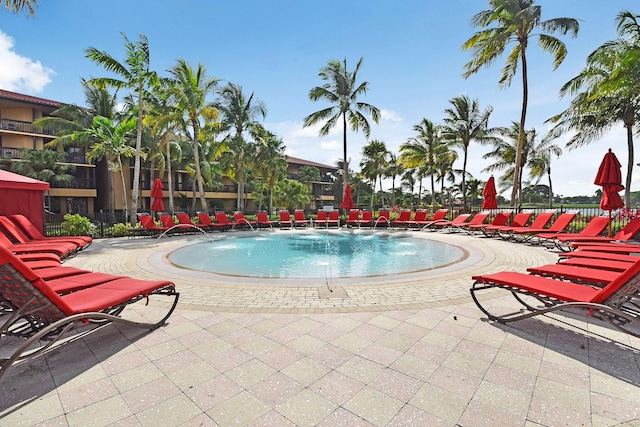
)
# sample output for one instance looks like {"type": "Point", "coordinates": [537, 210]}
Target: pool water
{"type": "Point", "coordinates": [317, 255]}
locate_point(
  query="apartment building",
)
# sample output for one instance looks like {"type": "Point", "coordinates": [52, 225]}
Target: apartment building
{"type": "Point", "coordinates": [88, 191]}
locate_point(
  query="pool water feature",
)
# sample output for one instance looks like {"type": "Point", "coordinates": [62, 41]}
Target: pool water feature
{"type": "Point", "coordinates": [317, 254]}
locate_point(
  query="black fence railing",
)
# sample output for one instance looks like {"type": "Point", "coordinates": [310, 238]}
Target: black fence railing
{"type": "Point", "coordinates": [20, 126]}
{"type": "Point", "coordinates": [103, 221]}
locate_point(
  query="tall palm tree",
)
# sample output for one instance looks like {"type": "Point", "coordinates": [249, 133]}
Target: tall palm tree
{"type": "Point", "coordinates": [17, 6]}
{"type": "Point", "coordinates": [374, 163]}
{"type": "Point", "coordinates": [189, 88]}
{"type": "Point", "coordinates": [605, 93]}
{"type": "Point", "coordinates": [421, 152]}
{"type": "Point", "coordinates": [515, 22]}
{"type": "Point", "coordinates": [271, 162]}
{"type": "Point", "coordinates": [394, 169]}
{"type": "Point", "coordinates": [342, 91]}
{"type": "Point", "coordinates": [135, 74]}
{"type": "Point", "coordinates": [239, 115]}
{"type": "Point", "coordinates": [464, 124]}
{"type": "Point", "coordinates": [110, 140]}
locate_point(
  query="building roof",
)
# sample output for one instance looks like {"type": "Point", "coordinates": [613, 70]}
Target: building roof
{"type": "Point", "coordinates": [303, 162]}
{"type": "Point", "coordinates": [13, 96]}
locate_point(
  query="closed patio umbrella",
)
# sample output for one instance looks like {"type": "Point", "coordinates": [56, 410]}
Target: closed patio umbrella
{"type": "Point", "coordinates": [490, 193]}
{"type": "Point", "coordinates": [609, 178]}
{"type": "Point", "coordinates": [347, 200]}
{"type": "Point", "coordinates": [157, 194]}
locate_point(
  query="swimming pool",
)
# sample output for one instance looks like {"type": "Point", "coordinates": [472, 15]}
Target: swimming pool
{"type": "Point", "coordinates": [317, 254]}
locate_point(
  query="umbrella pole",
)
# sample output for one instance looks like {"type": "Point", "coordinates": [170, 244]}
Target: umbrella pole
{"type": "Point", "coordinates": [609, 224]}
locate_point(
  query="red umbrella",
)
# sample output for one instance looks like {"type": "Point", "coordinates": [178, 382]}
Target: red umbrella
{"type": "Point", "coordinates": [156, 193]}
{"type": "Point", "coordinates": [609, 178]}
{"type": "Point", "coordinates": [347, 200]}
{"type": "Point", "coordinates": [490, 194]}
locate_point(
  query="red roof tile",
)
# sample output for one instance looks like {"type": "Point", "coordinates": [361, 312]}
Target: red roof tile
{"type": "Point", "coordinates": [303, 162]}
{"type": "Point", "coordinates": [5, 94]}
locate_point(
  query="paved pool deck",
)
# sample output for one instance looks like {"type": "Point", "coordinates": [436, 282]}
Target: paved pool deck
{"type": "Point", "coordinates": [406, 350]}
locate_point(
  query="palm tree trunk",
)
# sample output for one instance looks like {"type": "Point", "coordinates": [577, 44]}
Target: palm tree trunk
{"type": "Point", "coordinates": [112, 198]}
{"type": "Point", "coordinates": [124, 189]}
{"type": "Point", "coordinates": [345, 165]}
{"type": "Point", "coordinates": [433, 195]}
{"type": "Point", "coordinates": [393, 191]}
{"type": "Point", "coordinates": [515, 192]}
{"type": "Point", "coordinates": [464, 179]}
{"type": "Point", "coordinates": [627, 188]}
{"type": "Point", "coordinates": [550, 187]}
{"type": "Point", "coordinates": [170, 178]}
{"type": "Point", "coordinates": [133, 217]}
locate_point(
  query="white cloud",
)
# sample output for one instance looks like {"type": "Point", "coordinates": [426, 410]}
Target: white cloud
{"type": "Point", "coordinates": [19, 73]}
{"type": "Point", "coordinates": [390, 116]}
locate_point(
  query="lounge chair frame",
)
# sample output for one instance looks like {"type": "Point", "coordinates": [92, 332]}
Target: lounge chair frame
{"type": "Point", "coordinates": [33, 315]}
{"type": "Point", "coordinates": [621, 308]}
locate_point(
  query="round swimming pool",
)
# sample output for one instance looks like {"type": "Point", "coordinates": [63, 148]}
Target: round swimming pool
{"type": "Point", "coordinates": [317, 254]}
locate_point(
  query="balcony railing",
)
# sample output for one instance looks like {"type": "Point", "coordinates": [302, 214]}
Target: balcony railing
{"type": "Point", "coordinates": [83, 183]}
{"type": "Point", "coordinates": [16, 154]}
{"type": "Point", "coordinates": [27, 127]}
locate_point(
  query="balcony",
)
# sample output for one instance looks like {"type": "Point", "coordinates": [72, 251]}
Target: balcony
{"type": "Point", "coordinates": [16, 154]}
{"type": "Point", "coordinates": [80, 183]}
{"type": "Point", "coordinates": [24, 127]}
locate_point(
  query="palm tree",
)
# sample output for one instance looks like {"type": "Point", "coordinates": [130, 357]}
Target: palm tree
{"type": "Point", "coordinates": [464, 124]}
{"type": "Point", "coordinates": [239, 115]}
{"type": "Point", "coordinates": [291, 194]}
{"type": "Point", "coordinates": [110, 141]}
{"type": "Point", "coordinates": [135, 75]}
{"type": "Point", "coordinates": [374, 163]}
{"type": "Point", "coordinates": [421, 152]}
{"type": "Point", "coordinates": [445, 171]}
{"type": "Point", "coordinates": [394, 169]}
{"type": "Point", "coordinates": [516, 21]}
{"type": "Point", "coordinates": [44, 165]}
{"type": "Point", "coordinates": [189, 89]}
{"type": "Point", "coordinates": [342, 91]}
{"type": "Point", "coordinates": [17, 6]}
{"type": "Point", "coordinates": [540, 164]}
{"type": "Point", "coordinates": [605, 93]}
{"type": "Point", "coordinates": [271, 162]}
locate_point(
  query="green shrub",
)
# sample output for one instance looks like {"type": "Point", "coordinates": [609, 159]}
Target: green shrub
{"type": "Point", "coordinates": [120, 229]}
{"type": "Point", "coordinates": [78, 225]}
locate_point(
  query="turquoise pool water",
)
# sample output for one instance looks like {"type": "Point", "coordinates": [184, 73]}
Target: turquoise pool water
{"type": "Point", "coordinates": [317, 255]}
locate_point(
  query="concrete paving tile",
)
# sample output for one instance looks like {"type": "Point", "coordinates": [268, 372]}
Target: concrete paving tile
{"type": "Point", "coordinates": [306, 344]}
{"type": "Point", "coordinates": [172, 412]}
{"type": "Point", "coordinates": [480, 414]}
{"type": "Point", "coordinates": [503, 398]}
{"type": "Point", "coordinates": [380, 354]}
{"type": "Point", "coordinates": [343, 418]}
{"type": "Point", "coordinates": [411, 416]}
{"type": "Point", "coordinates": [87, 394]}
{"type": "Point", "coordinates": [135, 377]}
{"type": "Point", "coordinates": [306, 371]}
{"type": "Point", "coordinates": [331, 356]}
{"type": "Point", "coordinates": [360, 369]}
{"type": "Point", "coordinates": [548, 413]}
{"type": "Point", "coordinates": [276, 389]}
{"type": "Point", "coordinates": [374, 406]}
{"type": "Point", "coordinates": [192, 375]}
{"type": "Point", "coordinates": [101, 413]}
{"type": "Point", "coordinates": [38, 410]}
{"type": "Point", "coordinates": [210, 393]}
{"type": "Point", "coordinates": [455, 381]}
{"type": "Point", "coordinates": [336, 387]}
{"type": "Point", "coordinates": [615, 409]}
{"type": "Point", "coordinates": [415, 367]}
{"type": "Point", "coordinates": [272, 418]}
{"type": "Point", "coordinates": [440, 403]}
{"type": "Point", "coordinates": [306, 408]}
{"type": "Point", "coordinates": [280, 357]}
{"type": "Point", "coordinates": [396, 384]}
{"type": "Point", "coordinates": [250, 373]}
{"type": "Point", "coordinates": [150, 394]}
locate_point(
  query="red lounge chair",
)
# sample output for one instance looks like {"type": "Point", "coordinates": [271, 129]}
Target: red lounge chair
{"type": "Point", "coordinates": [628, 232]}
{"type": "Point", "coordinates": [241, 221]}
{"type": "Point", "coordinates": [34, 234]}
{"type": "Point", "coordinates": [478, 219]}
{"type": "Point", "coordinates": [539, 222]}
{"type": "Point", "coordinates": [526, 234]}
{"type": "Point", "coordinates": [333, 219]}
{"type": "Point", "coordinates": [599, 255]}
{"type": "Point", "coordinates": [263, 220]}
{"type": "Point", "coordinates": [612, 247]}
{"type": "Point", "coordinates": [519, 220]}
{"type": "Point", "coordinates": [578, 274]}
{"type": "Point", "coordinates": [366, 220]}
{"type": "Point", "coordinates": [14, 234]}
{"type": "Point", "coordinates": [321, 219]}
{"type": "Point", "coordinates": [353, 218]}
{"type": "Point", "coordinates": [405, 215]}
{"type": "Point", "coordinates": [285, 219]}
{"type": "Point", "coordinates": [382, 220]}
{"type": "Point", "coordinates": [37, 311]}
{"type": "Point", "coordinates": [184, 219]}
{"type": "Point", "coordinates": [299, 220]}
{"type": "Point", "coordinates": [598, 263]}
{"type": "Point", "coordinates": [34, 248]}
{"type": "Point", "coordinates": [418, 220]}
{"type": "Point", "coordinates": [455, 222]}
{"type": "Point", "coordinates": [170, 224]}
{"type": "Point", "coordinates": [223, 220]}
{"type": "Point", "coordinates": [150, 226]}
{"type": "Point", "coordinates": [501, 218]}
{"type": "Point", "coordinates": [595, 227]}
{"type": "Point", "coordinates": [204, 221]}
{"type": "Point", "coordinates": [617, 302]}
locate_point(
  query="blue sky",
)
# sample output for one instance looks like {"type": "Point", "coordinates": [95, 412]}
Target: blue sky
{"type": "Point", "coordinates": [275, 48]}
